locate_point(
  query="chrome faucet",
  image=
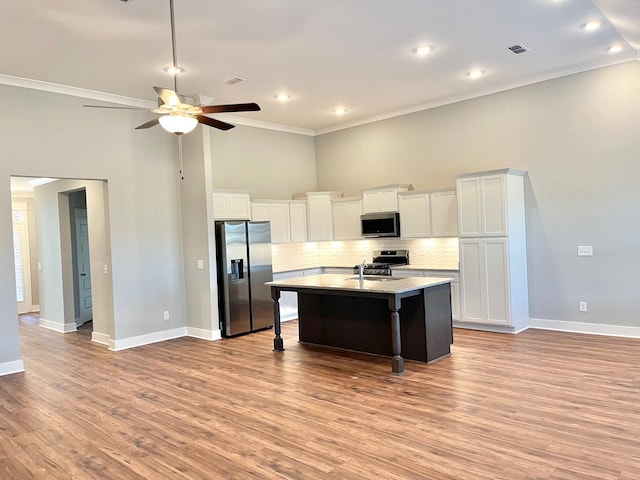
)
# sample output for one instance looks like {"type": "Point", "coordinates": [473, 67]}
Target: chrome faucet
{"type": "Point", "coordinates": [361, 270]}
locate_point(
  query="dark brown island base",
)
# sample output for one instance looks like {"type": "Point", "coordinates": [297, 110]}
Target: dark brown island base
{"type": "Point", "coordinates": [392, 316]}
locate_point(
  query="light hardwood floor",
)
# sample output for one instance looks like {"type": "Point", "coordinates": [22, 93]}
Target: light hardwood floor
{"type": "Point", "coordinates": [538, 405]}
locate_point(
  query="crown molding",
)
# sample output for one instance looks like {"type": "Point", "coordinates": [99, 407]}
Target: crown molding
{"type": "Point", "coordinates": [563, 72]}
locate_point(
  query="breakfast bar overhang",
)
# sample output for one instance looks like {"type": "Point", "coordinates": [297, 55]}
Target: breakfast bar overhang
{"type": "Point", "coordinates": [392, 316]}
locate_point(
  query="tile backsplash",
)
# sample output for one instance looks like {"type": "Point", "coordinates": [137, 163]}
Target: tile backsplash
{"type": "Point", "coordinates": [436, 253]}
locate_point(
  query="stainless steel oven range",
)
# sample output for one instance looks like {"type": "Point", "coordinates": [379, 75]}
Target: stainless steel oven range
{"type": "Point", "coordinates": [382, 262]}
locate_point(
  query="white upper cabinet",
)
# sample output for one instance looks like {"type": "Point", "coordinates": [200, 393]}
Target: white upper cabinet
{"type": "Point", "coordinates": [484, 205]}
{"type": "Point", "coordinates": [278, 214]}
{"type": "Point", "coordinates": [415, 216]}
{"type": "Point", "coordinates": [298, 217]}
{"type": "Point", "coordinates": [320, 215]}
{"type": "Point", "coordinates": [346, 218]}
{"type": "Point", "coordinates": [231, 205]}
{"type": "Point", "coordinates": [382, 199]}
{"type": "Point", "coordinates": [428, 214]}
{"type": "Point", "coordinates": [444, 214]}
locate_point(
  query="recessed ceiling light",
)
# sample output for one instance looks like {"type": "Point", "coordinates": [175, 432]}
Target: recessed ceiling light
{"type": "Point", "coordinates": [423, 50]}
{"type": "Point", "coordinates": [340, 111]}
{"type": "Point", "coordinates": [617, 48]}
{"type": "Point", "coordinates": [283, 97]}
{"type": "Point", "coordinates": [592, 25]}
{"type": "Point", "coordinates": [173, 70]}
{"type": "Point", "coordinates": [473, 74]}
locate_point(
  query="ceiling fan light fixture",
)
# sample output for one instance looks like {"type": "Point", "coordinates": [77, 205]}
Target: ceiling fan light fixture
{"type": "Point", "coordinates": [178, 123]}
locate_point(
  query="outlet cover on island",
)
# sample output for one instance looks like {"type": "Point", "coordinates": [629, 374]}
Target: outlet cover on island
{"type": "Point", "coordinates": [166, 315]}
{"type": "Point", "coordinates": [583, 306]}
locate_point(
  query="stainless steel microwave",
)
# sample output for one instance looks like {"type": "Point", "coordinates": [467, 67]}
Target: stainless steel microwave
{"type": "Point", "coordinates": [385, 224]}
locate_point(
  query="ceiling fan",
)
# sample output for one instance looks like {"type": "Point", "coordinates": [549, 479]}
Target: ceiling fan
{"type": "Point", "coordinates": [180, 114]}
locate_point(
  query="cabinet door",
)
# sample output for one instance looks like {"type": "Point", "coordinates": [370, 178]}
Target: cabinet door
{"type": "Point", "coordinates": [469, 215]}
{"type": "Point", "coordinates": [388, 200]}
{"type": "Point", "coordinates": [494, 212]}
{"type": "Point", "coordinates": [279, 218]}
{"type": "Point", "coordinates": [455, 301]}
{"type": "Point", "coordinates": [414, 215]}
{"type": "Point", "coordinates": [496, 279]}
{"type": "Point", "coordinates": [341, 221]}
{"type": "Point", "coordinates": [239, 206]}
{"type": "Point", "coordinates": [354, 210]}
{"type": "Point", "coordinates": [472, 276]}
{"type": "Point", "coordinates": [231, 206]}
{"type": "Point", "coordinates": [298, 222]}
{"type": "Point", "coordinates": [259, 212]}
{"type": "Point", "coordinates": [320, 222]}
{"type": "Point", "coordinates": [370, 202]}
{"type": "Point", "coordinates": [444, 214]}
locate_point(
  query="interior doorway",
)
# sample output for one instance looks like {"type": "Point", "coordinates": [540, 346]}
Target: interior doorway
{"type": "Point", "coordinates": [71, 236]}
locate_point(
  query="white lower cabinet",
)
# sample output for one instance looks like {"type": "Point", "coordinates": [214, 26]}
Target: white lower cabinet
{"type": "Point", "coordinates": [455, 285]}
{"type": "Point", "coordinates": [484, 264]}
{"type": "Point", "coordinates": [288, 300]}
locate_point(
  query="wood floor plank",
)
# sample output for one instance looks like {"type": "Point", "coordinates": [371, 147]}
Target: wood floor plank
{"type": "Point", "coordinates": [537, 405]}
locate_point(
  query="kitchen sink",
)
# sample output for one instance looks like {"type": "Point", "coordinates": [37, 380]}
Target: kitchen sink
{"type": "Point", "coordinates": [375, 278]}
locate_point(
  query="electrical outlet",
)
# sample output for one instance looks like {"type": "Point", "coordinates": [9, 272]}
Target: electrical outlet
{"type": "Point", "coordinates": [583, 306]}
{"type": "Point", "coordinates": [200, 264]}
{"type": "Point", "coordinates": [166, 315]}
{"type": "Point", "coordinates": [585, 251]}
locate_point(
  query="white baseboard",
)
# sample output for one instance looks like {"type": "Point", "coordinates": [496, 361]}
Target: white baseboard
{"type": "Point", "coordinates": [56, 326]}
{"type": "Point", "coordinates": [9, 368]}
{"type": "Point", "coordinates": [204, 334]}
{"type": "Point", "coordinates": [101, 338]}
{"type": "Point", "coordinates": [488, 328]}
{"type": "Point", "coordinates": [581, 327]}
{"type": "Point", "coordinates": [140, 340]}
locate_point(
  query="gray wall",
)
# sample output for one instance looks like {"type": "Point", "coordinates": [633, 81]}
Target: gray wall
{"type": "Point", "coordinates": [579, 139]}
{"type": "Point", "coordinates": [272, 164]}
{"type": "Point", "coordinates": [198, 236]}
{"type": "Point", "coordinates": [52, 135]}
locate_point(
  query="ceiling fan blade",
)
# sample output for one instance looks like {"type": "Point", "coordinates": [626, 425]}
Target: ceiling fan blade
{"type": "Point", "coordinates": [149, 124]}
{"type": "Point", "coordinates": [237, 107]}
{"type": "Point", "coordinates": [212, 122]}
{"type": "Point", "coordinates": [168, 97]}
{"type": "Point", "coordinates": [117, 108]}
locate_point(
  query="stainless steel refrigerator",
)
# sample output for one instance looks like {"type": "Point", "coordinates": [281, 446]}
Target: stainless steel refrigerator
{"type": "Point", "coordinates": [243, 252]}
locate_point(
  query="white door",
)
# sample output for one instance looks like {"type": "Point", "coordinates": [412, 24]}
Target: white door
{"type": "Point", "coordinates": [83, 272]}
{"type": "Point", "coordinates": [21, 258]}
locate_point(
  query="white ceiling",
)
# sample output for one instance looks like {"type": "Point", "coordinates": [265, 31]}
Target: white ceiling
{"type": "Point", "coordinates": [351, 53]}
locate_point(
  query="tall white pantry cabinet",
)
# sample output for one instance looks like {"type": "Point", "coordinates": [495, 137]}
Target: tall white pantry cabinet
{"type": "Point", "coordinates": [493, 257]}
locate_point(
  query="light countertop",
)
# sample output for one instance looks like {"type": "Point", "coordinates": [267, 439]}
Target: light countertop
{"type": "Point", "coordinates": [371, 284]}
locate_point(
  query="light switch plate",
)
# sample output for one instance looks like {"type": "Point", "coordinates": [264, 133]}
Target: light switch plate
{"type": "Point", "coordinates": [585, 251]}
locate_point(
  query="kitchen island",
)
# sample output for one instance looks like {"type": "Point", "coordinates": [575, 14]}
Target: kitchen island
{"type": "Point", "coordinates": [400, 317]}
